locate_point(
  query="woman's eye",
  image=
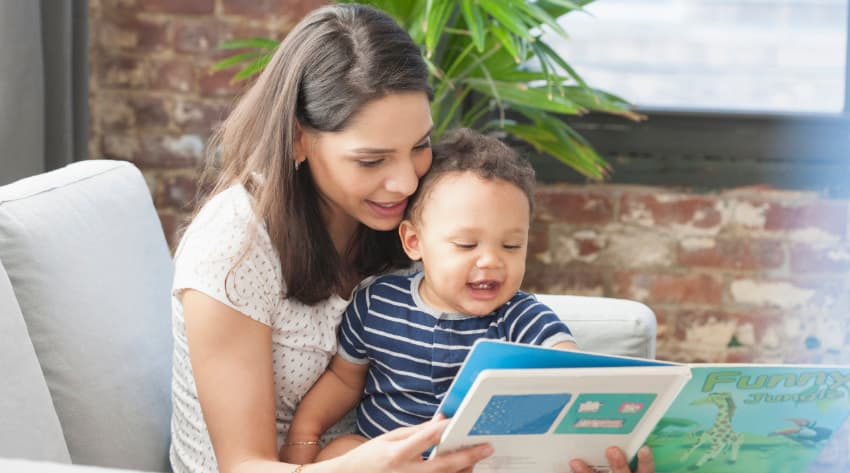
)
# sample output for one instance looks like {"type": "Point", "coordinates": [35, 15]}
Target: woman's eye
{"type": "Point", "coordinates": [366, 163]}
{"type": "Point", "coordinates": [422, 146]}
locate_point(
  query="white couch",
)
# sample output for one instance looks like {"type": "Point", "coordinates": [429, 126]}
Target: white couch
{"type": "Point", "coordinates": [85, 329]}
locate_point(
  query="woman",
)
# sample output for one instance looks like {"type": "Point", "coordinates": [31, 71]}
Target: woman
{"type": "Point", "coordinates": [318, 160]}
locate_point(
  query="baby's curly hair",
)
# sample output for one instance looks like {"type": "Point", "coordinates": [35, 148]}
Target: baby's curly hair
{"type": "Point", "coordinates": [465, 150]}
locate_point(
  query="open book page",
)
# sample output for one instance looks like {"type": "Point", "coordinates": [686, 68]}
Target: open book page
{"type": "Point", "coordinates": [538, 419]}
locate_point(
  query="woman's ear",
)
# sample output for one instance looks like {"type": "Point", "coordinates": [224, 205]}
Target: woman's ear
{"type": "Point", "coordinates": [300, 143]}
{"type": "Point", "coordinates": [409, 240]}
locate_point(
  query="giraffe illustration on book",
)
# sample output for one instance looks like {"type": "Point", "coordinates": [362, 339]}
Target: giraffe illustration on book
{"type": "Point", "coordinates": [720, 436]}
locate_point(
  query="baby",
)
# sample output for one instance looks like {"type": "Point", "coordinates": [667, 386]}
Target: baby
{"type": "Point", "coordinates": [404, 337]}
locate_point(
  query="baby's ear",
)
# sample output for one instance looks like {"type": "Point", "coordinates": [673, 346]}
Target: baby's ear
{"type": "Point", "coordinates": [409, 239]}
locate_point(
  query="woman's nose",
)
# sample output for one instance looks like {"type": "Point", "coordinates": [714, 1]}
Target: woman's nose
{"type": "Point", "coordinates": [403, 179]}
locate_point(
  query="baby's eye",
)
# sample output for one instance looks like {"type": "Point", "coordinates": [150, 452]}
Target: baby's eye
{"type": "Point", "coordinates": [512, 247]}
{"type": "Point", "coordinates": [464, 245]}
{"type": "Point", "coordinates": [369, 163]}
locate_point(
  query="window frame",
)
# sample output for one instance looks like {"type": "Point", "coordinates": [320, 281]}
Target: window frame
{"type": "Point", "coordinates": [713, 150]}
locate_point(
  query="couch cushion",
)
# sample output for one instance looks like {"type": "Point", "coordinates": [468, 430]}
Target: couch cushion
{"type": "Point", "coordinates": [87, 258]}
{"type": "Point", "coordinates": [29, 427]}
{"type": "Point", "coordinates": [607, 325]}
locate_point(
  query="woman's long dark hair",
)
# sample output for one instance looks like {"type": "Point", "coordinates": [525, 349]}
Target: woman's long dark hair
{"type": "Point", "coordinates": [335, 60]}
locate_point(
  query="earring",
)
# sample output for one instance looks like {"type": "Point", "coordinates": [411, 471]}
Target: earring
{"type": "Point", "coordinates": [297, 164]}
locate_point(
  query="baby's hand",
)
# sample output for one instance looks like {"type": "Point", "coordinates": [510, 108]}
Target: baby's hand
{"type": "Point", "coordinates": [300, 452]}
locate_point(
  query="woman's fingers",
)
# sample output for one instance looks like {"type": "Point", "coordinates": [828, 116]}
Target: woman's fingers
{"type": "Point", "coordinates": [617, 460]}
{"type": "Point", "coordinates": [458, 461]}
{"type": "Point", "coordinates": [646, 462]}
{"type": "Point", "coordinates": [618, 463]}
{"type": "Point", "coordinates": [423, 437]}
{"type": "Point", "coordinates": [579, 466]}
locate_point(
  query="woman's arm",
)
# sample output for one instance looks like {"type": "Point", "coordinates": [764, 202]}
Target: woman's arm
{"type": "Point", "coordinates": [336, 392]}
{"type": "Point", "coordinates": [231, 356]}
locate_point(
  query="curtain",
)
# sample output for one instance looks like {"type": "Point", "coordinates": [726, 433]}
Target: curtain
{"type": "Point", "coordinates": [43, 86]}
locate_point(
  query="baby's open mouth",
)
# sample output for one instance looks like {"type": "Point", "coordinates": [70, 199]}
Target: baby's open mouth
{"type": "Point", "coordinates": [483, 285]}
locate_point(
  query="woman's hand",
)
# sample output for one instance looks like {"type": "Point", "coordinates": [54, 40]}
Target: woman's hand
{"type": "Point", "coordinates": [401, 451]}
{"type": "Point", "coordinates": [619, 463]}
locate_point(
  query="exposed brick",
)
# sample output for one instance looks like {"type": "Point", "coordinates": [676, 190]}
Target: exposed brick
{"type": "Point", "coordinates": [715, 335]}
{"type": "Point", "coordinates": [822, 298]}
{"type": "Point", "coordinates": [667, 210]}
{"type": "Point", "coordinates": [119, 112]}
{"type": "Point", "coordinates": [220, 83]}
{"type": "Point", "coordinates": [126, 147]}
{"type": "Point", "coordinates": [787, 216]}
{"type": "Point", "coordinates": [195, 36]}
{"type": "Point", "coordinates": [171, 151]}
{"type": "Point", "coordinates": [554, 279]}
{"type": "Point", "coordinates": [568, 244]}
{"type": "Point", "coordinates": [293, 9]}
{"type": "Point", "coordinates": [179, 7]}
{"type": "Point", "coordinates": [664, 288]}
{"type": "Point", "coordinates": [574, 206]}
{"type": "Point", "coordinates": [729, 253]}
{"type": "Point", "coordinates": [172, 226]}
{"type": "Point", "coordinates": [627, 246]}
{"type": "Point", "coordinates": [176, 75]}
{"type": "Point", "coordinates": [123, 72]}
{"type": "Point", "coordinates": [113, 113]}
{"type": "Point", "coordinates": [198, 116]}
{"type": "Point", "coordinates": [176, 191]}
{"type": "Point", "coordinates": [133, 34]}
{"type": "Point", "coordinates": [538, 238]}
{"type": "Point", "coordinates": [114, 8]}
{"type": "Point", "coordinates": [829, 258]}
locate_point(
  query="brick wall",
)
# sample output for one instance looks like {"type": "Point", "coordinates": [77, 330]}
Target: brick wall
{"type": "Point", "coordinates": [745, 274]}
{"type": "Point", "coordinates": [742, 275]}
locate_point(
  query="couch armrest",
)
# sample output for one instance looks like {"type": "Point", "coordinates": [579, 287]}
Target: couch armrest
{"type": "Point", "coordinates": [607, 325]}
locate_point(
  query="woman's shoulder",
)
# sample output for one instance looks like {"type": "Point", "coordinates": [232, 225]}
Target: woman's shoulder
{"type": "Point", "coordinates": [226, 215]}
{"type": "Point", "coordinates": [231, 205]}
{"type": "Point", "coordinates": [225, 228]}
{"type": "Point", "coordinates": [226, 253]}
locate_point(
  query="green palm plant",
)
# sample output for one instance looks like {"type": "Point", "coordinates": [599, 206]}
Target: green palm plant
{"type": "Point", "coordinates": [490, 70]}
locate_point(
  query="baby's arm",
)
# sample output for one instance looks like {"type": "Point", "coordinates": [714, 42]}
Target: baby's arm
{"type": "Point", "coordinates": [336, 392]}
{"type": "Point", "coordinates": [566, 346]}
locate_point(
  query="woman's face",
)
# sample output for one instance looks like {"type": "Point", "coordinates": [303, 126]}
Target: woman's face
{"type": "Point", "coordinates": [366, 172]}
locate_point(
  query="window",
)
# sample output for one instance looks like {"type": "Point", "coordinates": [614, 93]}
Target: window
{"type": "Point", "coordinates": [737, 92]}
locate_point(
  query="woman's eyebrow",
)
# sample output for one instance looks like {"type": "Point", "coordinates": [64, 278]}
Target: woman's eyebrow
{"type": "Point", "coordinates": [388, 150]}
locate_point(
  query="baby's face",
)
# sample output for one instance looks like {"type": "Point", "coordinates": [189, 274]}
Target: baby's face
{"type": "Point", "coordinates": [473, 239]}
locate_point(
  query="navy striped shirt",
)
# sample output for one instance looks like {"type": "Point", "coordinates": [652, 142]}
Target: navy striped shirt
{"type": "Point", "coordinates": [414, 351]}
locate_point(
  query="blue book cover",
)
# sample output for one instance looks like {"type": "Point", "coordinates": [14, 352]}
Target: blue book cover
{"type": "Point", "coordinates": [494, 354]}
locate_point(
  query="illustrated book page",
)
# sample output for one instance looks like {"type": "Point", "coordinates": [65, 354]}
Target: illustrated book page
{"type": "Point", "coordinates": [751, 418]}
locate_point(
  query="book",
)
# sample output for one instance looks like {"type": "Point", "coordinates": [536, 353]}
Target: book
{"type": "Point", "coordinates": [538, 411]}
{"type": "Point", "coordinates": [541, 407]}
